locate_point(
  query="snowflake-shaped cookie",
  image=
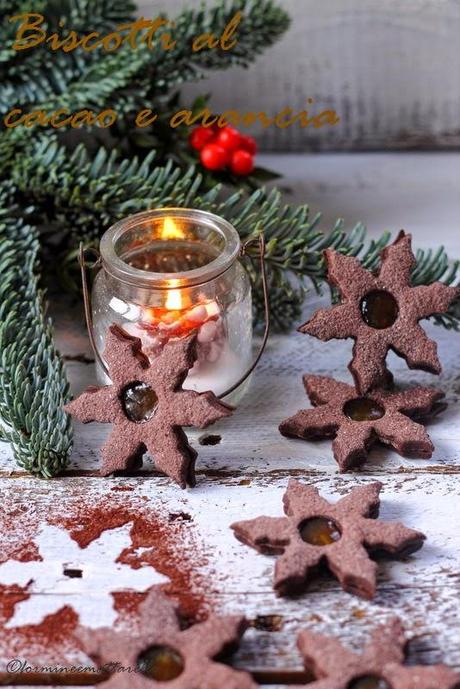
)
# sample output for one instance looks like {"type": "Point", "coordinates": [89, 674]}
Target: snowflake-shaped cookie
{"type": "Point", "coordinates": [316, 532]}
{"type": "Point", "coordinates": [159, 654]}
{"type": "Point", "coordinates": [147, 407]}
{"type": "Point", "coordinates": [379, 666]}
{"type": "Point", "coordinates": [357, 422]}
{"type": "Point", "coordinates": [381, 312]}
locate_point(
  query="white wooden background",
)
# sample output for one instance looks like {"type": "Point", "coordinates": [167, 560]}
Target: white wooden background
{"type": "Point", "coordinates": [390, 70]}
{"type": "Point", "coordinates": [195, 554]}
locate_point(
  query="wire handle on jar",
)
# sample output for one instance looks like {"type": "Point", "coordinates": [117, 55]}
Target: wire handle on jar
{"type": "Point", "coordinates": [263, 273]}
{"type": "Point", "coordinates": [87, 299]}
{"type": "Point", "coordinates": [84, 265]}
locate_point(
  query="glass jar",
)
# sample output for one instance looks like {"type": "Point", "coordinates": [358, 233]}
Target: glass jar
{"type": "Point", "coordinates": [171, 273]}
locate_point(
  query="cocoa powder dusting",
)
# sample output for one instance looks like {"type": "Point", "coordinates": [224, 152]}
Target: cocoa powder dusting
{"type": "Point", "coordinates": [126, 603]}
{"type": "Point", "coordinates": [183, 566]}
{"type": "Point", "coordinates": [16, 521]}
{"type": "Point", "coordinates": [49, 642]}
{"type": "Point", "coordinates": [172, 547]}
{"type": "Point", "coordinates": [9, 597]}
{"type": "Point", "coordinates": [167, 543]}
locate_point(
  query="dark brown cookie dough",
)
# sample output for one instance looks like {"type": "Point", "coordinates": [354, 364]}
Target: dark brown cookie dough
{"type": "Point", "coordinates": [379, 666]}
{"type": "Point", "coordinates": [357, 422]}
{"type": "Point", "coordinates": [316, 532]}
{"type": "Point", "coordinates": [157, 653]}
{"type": "Point", "coordinates": [381, 312]}
{"type": "Point", "coordinates": [147, 407]}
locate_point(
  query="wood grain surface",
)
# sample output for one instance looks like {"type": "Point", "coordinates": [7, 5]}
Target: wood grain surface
{"type": "Point", "coordinates": [389, 69]}
{"type": "Point", "coordinates": [117, 537]}
{"type": "Point", "coordinates": [243, 476]}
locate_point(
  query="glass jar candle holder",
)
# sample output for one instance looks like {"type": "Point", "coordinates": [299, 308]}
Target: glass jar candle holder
{"type": "Point", "coordinates": [171, 273]}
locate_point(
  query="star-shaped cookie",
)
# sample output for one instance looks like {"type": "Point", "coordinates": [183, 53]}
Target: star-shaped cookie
{"type": "Point", "coordinates": [378, 666]}
{"type": "Point", "coordinates": [148, 407]}
{"type": "Point", "coordinates": [316, 532]}
{"type": "Point", "coordinates": [158, 653]}
{"type": "Point", "coordinates": [356, 422]}
{"type": "Point", "coordinates": [381, 312]}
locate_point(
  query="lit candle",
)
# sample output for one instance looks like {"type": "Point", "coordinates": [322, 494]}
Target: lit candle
{"type": "Point", "coordinates": [180, 317]}
{"type": "Point", "coordinates": [197, 287]}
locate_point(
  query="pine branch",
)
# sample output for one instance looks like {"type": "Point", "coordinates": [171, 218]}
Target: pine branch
{"type": "Point", "coordinates": [435, 265]}
{"type": "Point", "coordinates": [81, 195]}
{"type": "Point", "coordinates": [33, 388]}
{"type": "Point", "coordinates": [127, 79]}
{"type": "Point", "coordinates": [263, 23]}
{"type": "Point", "coordinates": [84, 196]}
{"type": "Point", "coordinates": [39, 76]}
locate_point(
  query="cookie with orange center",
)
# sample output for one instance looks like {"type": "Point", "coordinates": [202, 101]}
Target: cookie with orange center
{"type": "Point", "coordinates": [158, 653]}
{"type": "Point", "coordinates": [381, 312]}
{"type": "Point", "coordinates": [357, 422]}
{"type": "Point", "coordinates": [340, 536]}
{"type": "Point", "coordinates": [380, 665]}
{"type": "Point", "coordinates": [148, 407]}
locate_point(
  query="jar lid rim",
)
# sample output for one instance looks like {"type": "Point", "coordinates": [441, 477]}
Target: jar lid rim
{"type": "Point", "coordinates": [119, 269]}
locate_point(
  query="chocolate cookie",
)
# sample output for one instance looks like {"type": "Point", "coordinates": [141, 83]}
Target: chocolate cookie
{"type": "Point", "coordinates": [315, 533]}
{"type": "Point", "coordinates": [381, 312]}
{"type": "Point", "coordinates": [147, 407]}
{"type": "Point", "coordinates": [357, 422]}
{"type": "Point", "coordinates": [379, 666]}
{"type": "Point", "coordinates": [159, 652]}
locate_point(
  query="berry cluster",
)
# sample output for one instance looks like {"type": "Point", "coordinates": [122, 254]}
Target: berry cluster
{"type": "Point", "coordinates": [224, 148]}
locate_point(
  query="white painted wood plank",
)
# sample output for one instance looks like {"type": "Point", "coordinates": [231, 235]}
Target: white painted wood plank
{"type": "Point", "coordinates": [222, 574]}
{"type": "Point", "coordinates": [390, 70]}
{"type": "Point", "coordinates": [386, 191]}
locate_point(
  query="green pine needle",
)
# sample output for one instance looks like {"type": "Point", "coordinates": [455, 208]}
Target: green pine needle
{"type": "Point", "coordinates": [87, 194]}
{"type": "Point", "coordinates": [33, 388]}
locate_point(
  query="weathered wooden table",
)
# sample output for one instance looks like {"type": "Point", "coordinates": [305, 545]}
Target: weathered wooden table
{"type": "Point", "coordinates": [85, 547]}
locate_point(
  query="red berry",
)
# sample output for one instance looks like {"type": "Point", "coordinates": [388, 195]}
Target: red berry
{"type": "Point", "coordinates": [242, 163]}
{"type": "Point", "coordinates": [229, 138]}
{"type": "Point", "coordinates": [214, 157]}
{"type": "Point", "coordinates": [201, 136]}
{"type": "Point", "coordinates": [249, 144]}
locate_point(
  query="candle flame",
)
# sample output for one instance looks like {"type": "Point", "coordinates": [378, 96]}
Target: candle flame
{"type": "Point", "coordinates": [174, 301]}
{"type": "Point", "coordinates": [171, 230]}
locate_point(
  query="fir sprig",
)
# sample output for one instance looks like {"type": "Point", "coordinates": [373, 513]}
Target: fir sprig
{"type": "Point", "coordinates": [84, 195]}
{"type": "Point", "coordinates": [34, 77]}
{"type": "Point", "coordinates": [129, 78]}
{"type": "Point", "coordinates": [33, 387]}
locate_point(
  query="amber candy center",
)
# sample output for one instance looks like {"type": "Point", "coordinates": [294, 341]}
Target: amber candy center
{"type": "Point", "coordinates": [139, 401]}
{"type": "Point", "coordinates": [161, 663]}
{"type": "Point", "coordinates": [368, 682]}
{"type": "Point", "coordinates": [363, 409]}
{"type": "Point", "coordinates": [379, 309]}
{"type": "Point", "coordinates": [319, 531]}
